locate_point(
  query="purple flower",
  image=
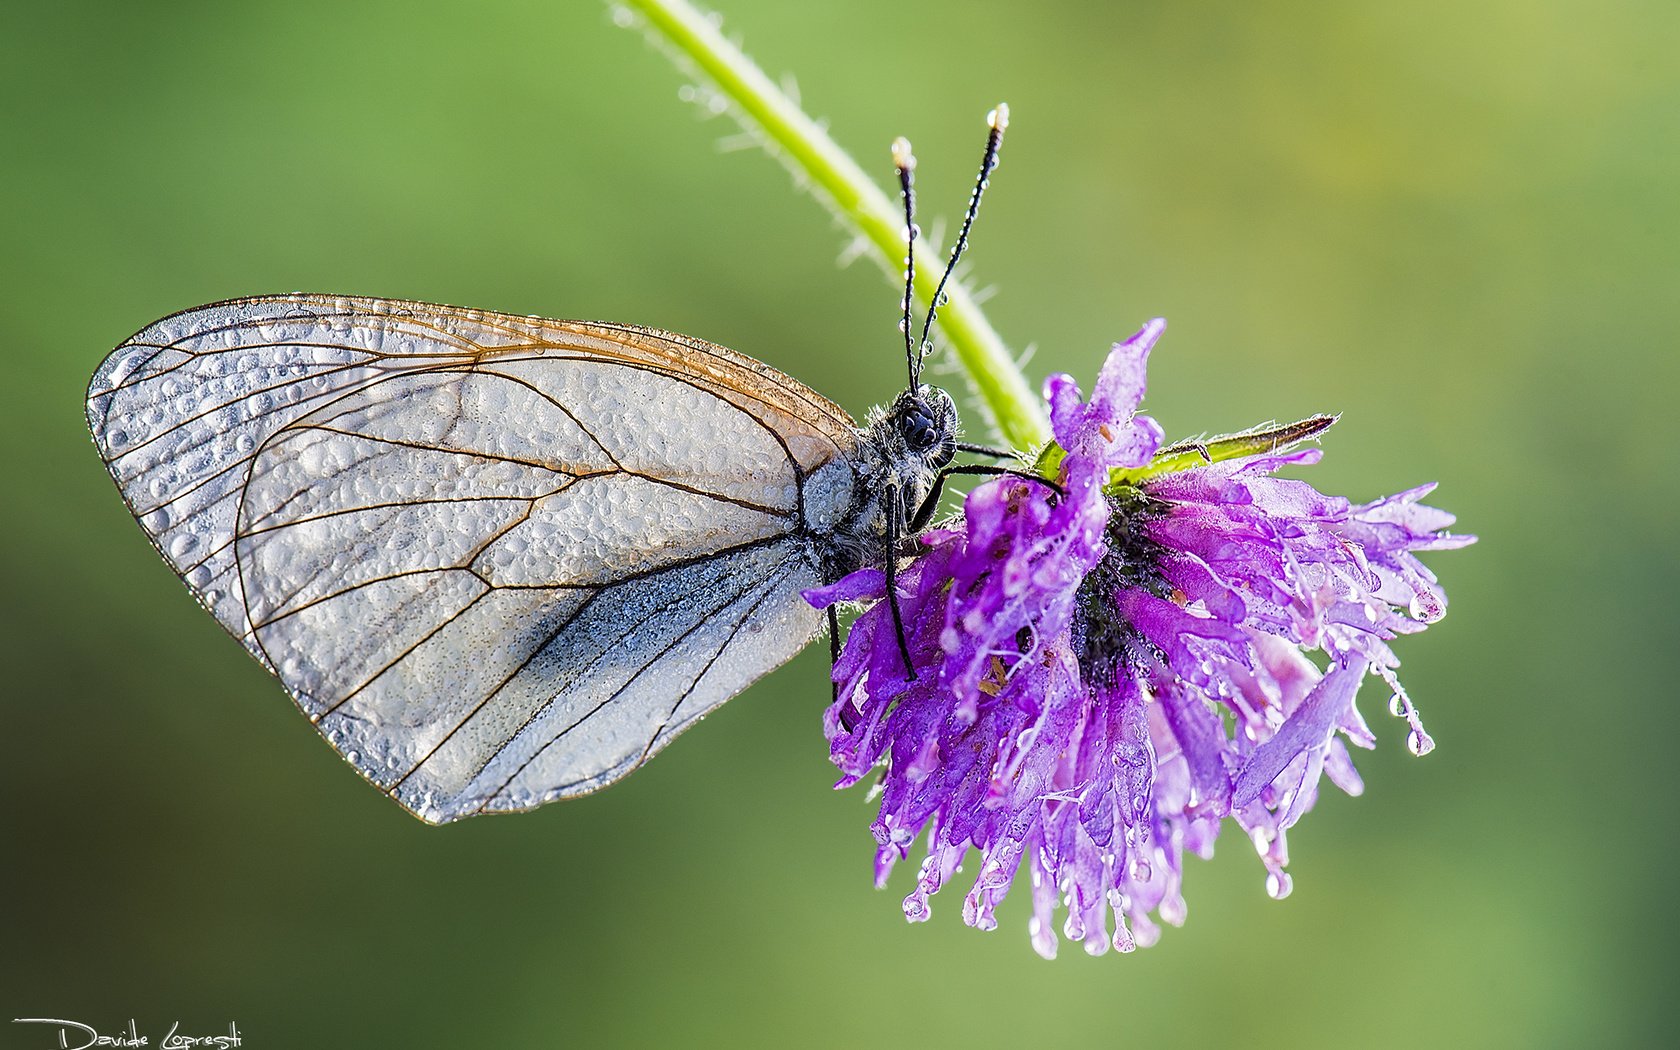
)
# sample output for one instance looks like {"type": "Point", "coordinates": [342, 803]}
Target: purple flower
{"type": "Point", "coordinates": [1108, 672]}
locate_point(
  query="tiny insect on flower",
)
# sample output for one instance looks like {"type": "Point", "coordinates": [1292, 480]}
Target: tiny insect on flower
{"type": "Point", "coordinates": [1108, 666]}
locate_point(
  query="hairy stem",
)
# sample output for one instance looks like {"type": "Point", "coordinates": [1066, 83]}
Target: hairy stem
{"type": "Point", "coordinates": [695, 41]}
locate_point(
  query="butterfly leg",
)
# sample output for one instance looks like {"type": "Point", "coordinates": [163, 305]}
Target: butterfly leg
{"type": "Point", "coordinates": [894, 527]}
{"type": "Point", "coordinates": [924, 513]}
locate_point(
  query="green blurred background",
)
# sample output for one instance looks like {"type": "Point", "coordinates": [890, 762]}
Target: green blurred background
{"type": "Point", "coordinates": [1453, 222]}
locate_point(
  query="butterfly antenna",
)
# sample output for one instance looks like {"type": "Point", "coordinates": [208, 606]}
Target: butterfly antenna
{"type": "Point", "coordinates": [997, 120]}
{"type": "Point", "coordinates": [905, 162]}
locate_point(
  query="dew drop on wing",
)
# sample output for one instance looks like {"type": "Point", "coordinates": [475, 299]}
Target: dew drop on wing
{"type": "Point", "coordinates": [1419, 743]}
{"type": "Point", "coordinates": [128, 365]}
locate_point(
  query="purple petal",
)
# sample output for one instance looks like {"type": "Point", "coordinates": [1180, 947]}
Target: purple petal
{"type": "Point", "coordinates": [854, 587]}
{"type": "Point", "coordinates": [1309, 728]}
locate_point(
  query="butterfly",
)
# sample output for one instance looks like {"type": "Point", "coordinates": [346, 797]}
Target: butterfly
{"type": "Point", "coordinates": [501, 560]}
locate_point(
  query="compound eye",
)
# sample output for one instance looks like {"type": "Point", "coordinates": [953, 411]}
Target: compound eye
{"type": "Point", "coordinates": [919, 432]}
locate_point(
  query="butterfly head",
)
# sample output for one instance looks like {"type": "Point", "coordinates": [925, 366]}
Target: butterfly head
{"type": "Point", "coordinates": [923, 426]}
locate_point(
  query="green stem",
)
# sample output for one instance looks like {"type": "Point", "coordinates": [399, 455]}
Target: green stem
{"type": "Point", "coordinates": [1008, 399]}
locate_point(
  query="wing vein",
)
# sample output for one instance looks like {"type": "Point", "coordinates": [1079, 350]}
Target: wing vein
{"type": "Point", "coordinates": [766, 585]}
{"type": "Point", "coordinates": [549, 639]}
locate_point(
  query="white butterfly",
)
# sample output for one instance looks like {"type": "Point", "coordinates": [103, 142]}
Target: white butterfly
{"type": "Point", "coordinates": [504, 560]}
{"type": "Point", "coordinates": [498, 560]}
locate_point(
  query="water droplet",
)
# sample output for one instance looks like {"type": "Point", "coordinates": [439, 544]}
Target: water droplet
{"type": "Point", "coordinates": [126, 367]}
{"type": "Point", "coordinates": [1172, 909]}
{"type": "Point", "coordinates": [1397, 706]}
{"type": "Point", "coordinates": [1418, 742]}
{"type": "Point", "coordinates": [1074, 928]}
{"type": "Point", "coordinates": [1278, 885]}
{"type": "Point", "coordinates": [1123, 941]}
{"type": "Point", "coordinates": [182, 544]}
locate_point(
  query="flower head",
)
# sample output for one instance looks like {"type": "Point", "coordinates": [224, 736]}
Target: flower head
{"type": "Point", "coordinates": [1111, 666]}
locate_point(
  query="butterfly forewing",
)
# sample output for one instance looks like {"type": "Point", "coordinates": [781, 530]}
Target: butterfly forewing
{"type": "Point", "coordinates": [497, 560]}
